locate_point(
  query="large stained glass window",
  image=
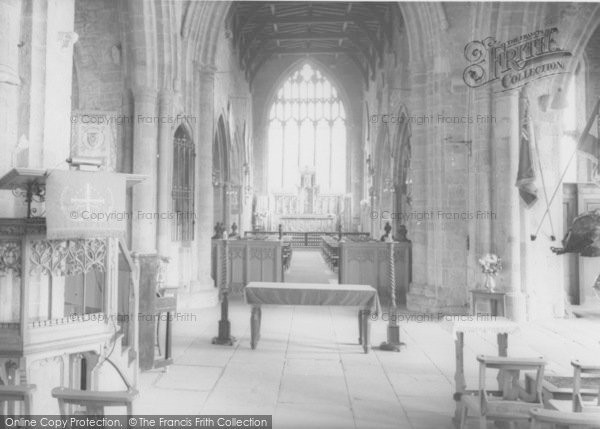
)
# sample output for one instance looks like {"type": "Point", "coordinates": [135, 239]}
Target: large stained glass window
{"type": "Point", "coordinates": [307, 133]}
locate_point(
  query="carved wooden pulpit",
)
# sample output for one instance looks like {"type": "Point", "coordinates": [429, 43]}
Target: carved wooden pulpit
{"type": "Point", "coordinates": [69, 289]}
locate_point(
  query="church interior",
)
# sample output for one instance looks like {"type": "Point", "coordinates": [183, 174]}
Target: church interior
{"type": "Point", "coordinates": [409, 190]}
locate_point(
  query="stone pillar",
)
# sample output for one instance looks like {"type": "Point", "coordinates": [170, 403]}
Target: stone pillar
{"type": "Point", "coordinates": [356, 167]}
{"type": "Point", "coordinates": [10, 19]}
{"type": "Point", "coordinates": [164, 172]}
{"type": "Point", "coordinates": [60, 39]}
{"type": "Point", "coordinates": [227, 188]}
{"type": "Point", "coordinates": [421, 296]}
{"type": "Point", "coordinates": [144, 162]}
{"type": "Point", "coordinates": [506, 203]}
{"type": "Point", "coordinates": [205, 78]}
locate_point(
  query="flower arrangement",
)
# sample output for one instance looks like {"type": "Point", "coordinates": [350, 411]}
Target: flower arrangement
{"type": "Point", "coordinates": [490, 264]}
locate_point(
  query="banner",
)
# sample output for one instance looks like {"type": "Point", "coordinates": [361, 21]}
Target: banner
{"type": "Point", "coordinates": [526, 173]}
{"type": "Point", "coordinates": [588, 143]}
{"type": "Point", "coordinates": [83, 204]}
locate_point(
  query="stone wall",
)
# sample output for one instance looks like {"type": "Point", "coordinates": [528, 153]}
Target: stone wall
{"type": "Point", "coordinates": [452, 177]}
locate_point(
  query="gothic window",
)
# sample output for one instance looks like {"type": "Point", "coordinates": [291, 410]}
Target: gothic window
{"type": "Point", "coordinates": [307, 133]}
{"type": "Point", "coordinates": [183, 186]}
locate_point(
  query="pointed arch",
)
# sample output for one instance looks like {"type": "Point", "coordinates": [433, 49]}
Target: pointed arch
{"type": "Point", "coordinates": [183, 184]}
{"type": "Point", "coordinates": [221, 171]}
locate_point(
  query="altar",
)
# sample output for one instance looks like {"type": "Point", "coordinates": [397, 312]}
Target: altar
{"type": "Point", "coordinates": [307, 209]}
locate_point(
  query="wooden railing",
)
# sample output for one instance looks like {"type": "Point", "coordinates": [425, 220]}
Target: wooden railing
{"type": "Point", "coordinates": [311, 239]}
{"type": "Point", "coordinates": [130, 322]}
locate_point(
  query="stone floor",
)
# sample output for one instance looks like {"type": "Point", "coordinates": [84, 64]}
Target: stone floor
{"type": "Point", "coordinates": [309, 372]}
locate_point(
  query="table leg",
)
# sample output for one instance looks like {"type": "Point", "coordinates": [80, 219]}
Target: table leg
{"type": "Point", "coordinates": [494, 308]}
{"type": "Point", "coordinates": [503, 345]}
{"type": "Point", "coordinates": [259, 322]}
{"type": "Point", "coordinates": [254, 326]}
{"type": "Point", "coordinates": [168, 337]}
{"type": "Point", "coordinates": [502, 351]}
{"type": "Point", "coordinates": [459, 374]}
{"type": "Point", "coordinates": [360, 327]}
{"type": "Point", "coordinates": [366, 330]}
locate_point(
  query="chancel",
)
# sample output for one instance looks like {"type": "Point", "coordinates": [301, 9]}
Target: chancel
{"type": "Point", "coordinates": [322, 214]}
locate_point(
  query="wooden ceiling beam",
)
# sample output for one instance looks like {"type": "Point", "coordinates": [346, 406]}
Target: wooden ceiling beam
{"type": "Point", "coordinates": [244, 52]}
{"type": "Point", "coordinates": [239, 30]}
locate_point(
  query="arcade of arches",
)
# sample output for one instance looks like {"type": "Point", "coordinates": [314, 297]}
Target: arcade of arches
{"type": "Point", "coordinates": [319, 116]}
{"type": "Point", "coordinates": [411, 138]}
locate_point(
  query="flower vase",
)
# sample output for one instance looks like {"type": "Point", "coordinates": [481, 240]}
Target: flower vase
{"type": "Point", "coordinates": [489, 282]}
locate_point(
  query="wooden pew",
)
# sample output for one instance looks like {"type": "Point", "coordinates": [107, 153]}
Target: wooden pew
{"type": "Point", "coordinates": [94, 401]}
{"type": "Point", "coordinates": [248, 260]}
{"type": "Point", "coordinates": [367, 262]}
{"type": "Point", "coordinates": [22, 393]}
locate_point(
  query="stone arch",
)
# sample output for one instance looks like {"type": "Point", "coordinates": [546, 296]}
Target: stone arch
{"type": "Point", "coordinates": [221, 173]}
{"type": "Point", "coordinates": [316, 64]}
{"type": "Point", "coordinates": [383, 174]}
{"type": "Point", "coordinates": [402, 155]}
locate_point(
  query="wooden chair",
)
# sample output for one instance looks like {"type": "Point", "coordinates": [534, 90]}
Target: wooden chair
{"type": "Point", "coordinates": [580, 370]}
{"type": "Point", "coordinates": [563, 419]}
{"type": "Point", "coordinates": [512, 402]}
{"type": "Point", "coordinates": [20, 393]}
{"type": "Point", "coordinates": [94, 401]}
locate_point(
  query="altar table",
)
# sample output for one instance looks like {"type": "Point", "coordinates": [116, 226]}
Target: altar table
{"type": "Point", "coordinates": [277, 293]}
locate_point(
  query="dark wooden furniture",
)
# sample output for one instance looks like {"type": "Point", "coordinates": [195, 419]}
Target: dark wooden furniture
{"type": "Point", "coordinates": [364, 297]}
{"type": "Point", "coordinates": [22, 393]}
{"type": "Point", "coordinates": [330, 249]}
{"type": "Point", "coordinates": [94, 401]}
{"type": "Point", "coordinates": [157, 304]}
{"type": "Point", "coordinates": [248, 260]}
{"type": "Point", "coordinates": [61, 305]}
{"type": "Point", "coordinates": [496, 301]}
{"type": "Point", "coordinates": [310, 239]}
{"type": "Point", "coordinates": [367, 262]}
{"type": "Point", "coordinates": [286, 253]}
{"type": "Point", "coordinates": [511, 403]}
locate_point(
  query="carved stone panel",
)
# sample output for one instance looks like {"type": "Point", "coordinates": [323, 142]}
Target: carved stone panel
{"type": "Point", "coordinates": [67, 257]}
{"type": "Point", "coordinates": [10, 257]}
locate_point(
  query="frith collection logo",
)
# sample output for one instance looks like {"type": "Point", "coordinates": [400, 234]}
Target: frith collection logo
{"type": "Point", "coordinates": [516, 62]}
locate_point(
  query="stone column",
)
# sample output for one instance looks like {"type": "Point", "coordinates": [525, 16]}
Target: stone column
{"type": "Point", "coordinates": [205, 78]}
{"type": "Point", "coordinates": [165, 168]}
{"type": "Point", "coordinates": [10, 19]}
{"type": "Point", "coordinates": [60, 39]}
{"type": "Point", "coordinates": [421, 296]}
{"type": "Point", "coordinates": [356, 167]}
{"type": "Point", "coordinates": [144, 162]}
{"type": "Point", "coordinates": [506, 201]}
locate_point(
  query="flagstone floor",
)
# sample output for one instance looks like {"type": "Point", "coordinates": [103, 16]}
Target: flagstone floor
{"type": "Point", "coordinates": [309, 372]}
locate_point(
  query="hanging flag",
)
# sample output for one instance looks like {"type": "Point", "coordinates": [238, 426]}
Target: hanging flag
{"type": "Point", "coordinates": [526, 173]}
{"type": "Point", "coordinates": [588, 143]}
